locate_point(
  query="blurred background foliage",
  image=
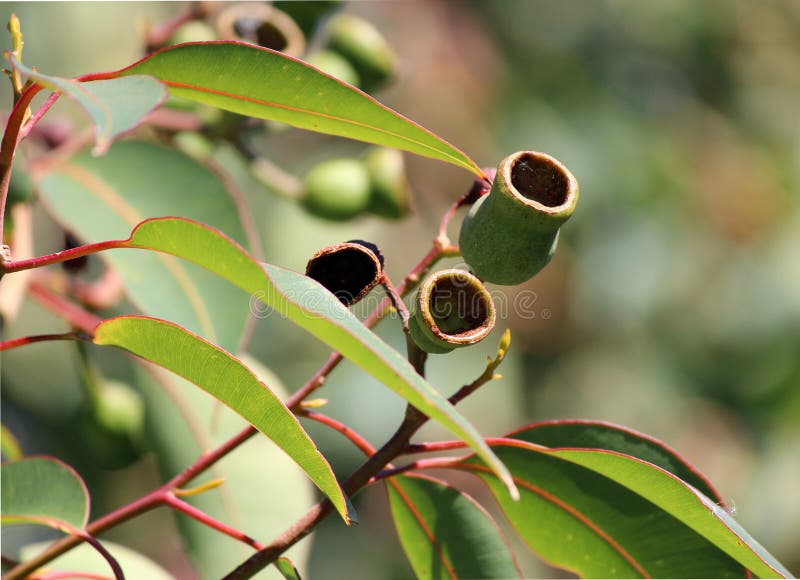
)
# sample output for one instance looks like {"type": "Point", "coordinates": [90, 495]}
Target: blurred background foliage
{"type": "Point", "coordinates": [672, 305]}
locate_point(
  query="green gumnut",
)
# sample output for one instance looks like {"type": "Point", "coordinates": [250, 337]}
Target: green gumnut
{"type": "Point", "coordinates": [511, 233]}
{"type": "Point", "coordinates": [193, 31]}
{"type": "Point", "coordinates": [337, 189]}
{"type": "Point", "coordinates": [365, 47]}
{"type": "Point", "coordinates": [307, 14]}
{"type": "Point", "coordinates": [451, 309]}
{"type": "Point", "coordinates": [335, 65]}
{"type": "Point", "coordinates": [113, 427]}
{"type": "Point", "coordinates": [390, 197]}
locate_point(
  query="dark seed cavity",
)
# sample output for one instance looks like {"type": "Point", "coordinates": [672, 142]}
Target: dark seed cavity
{"type": "Point", "coordinates": [540, 179]}
{"type": "Point", "coordinates": [457, 307]}
{"type": "Point", "coordinates": [348, 272]}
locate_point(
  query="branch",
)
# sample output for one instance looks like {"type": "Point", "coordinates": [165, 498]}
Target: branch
{"type": "Point", "coordinates": [25, 340]}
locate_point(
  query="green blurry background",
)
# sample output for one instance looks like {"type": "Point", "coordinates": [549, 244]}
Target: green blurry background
{"type": "Point", "coordinates": [672, 306]}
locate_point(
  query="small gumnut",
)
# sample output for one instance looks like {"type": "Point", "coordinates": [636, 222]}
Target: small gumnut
{"type": "Point", "coordinates": [390, 195]}
{"type": "Point", "coordinates": [194, 31]}
{"type": "Point", "coordinates": [451, 309]}
{"type": "Point", "coordinates": [349, 270]}
{"type": "Point", "coordinates": [263, 25]}
{"type": "Point", "coordinates": [511, 233]}
{"type": "Point", "coordinates": [335, 65]}
{"type": "Point", "coordinates": [337, 189]}
{"type": "Point", "coordinates": [365, 47]}
{"type": "Point", "coordinates": [308, 15]}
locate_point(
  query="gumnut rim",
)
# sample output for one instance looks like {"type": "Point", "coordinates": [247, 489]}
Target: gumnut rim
{"type": "Point", "coordinates": [263, 25]}
{"type": "Point", "coordinates": [349, 270]}
{"type": "Point", "coordinates": [456, 307]}
{"type": "Point", "coordinates": [540, 180]}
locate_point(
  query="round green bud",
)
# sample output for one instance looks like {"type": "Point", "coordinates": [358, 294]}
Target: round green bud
{"type": "Point", "coordinates": [365, 47]}
{"type": "Point", "coordinates": [511, 233]}
{"type": "Point", "coordinates": [391, 196]}
{"type": "Point", "coordinates": [335, 65]}
{"type": "Point", "coordinates": [451, 309]}
{"type": "Point", "coordinates": [337, 189]}
{"type": "Point", "coordinates": [113, 427]}
{"type": "Point", "coordinates": [193, 31]}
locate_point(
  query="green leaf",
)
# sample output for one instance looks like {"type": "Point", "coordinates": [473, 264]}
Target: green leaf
{"type": "Point", "coordinates": [264, 490]}
{"type": "Point", "coordinates": [115, 106]}
{"type": "Point", "coordinates": [445, 533]}
{"type": "Point", "coordinates": [262, 83]}
{"type": "Point", "coordinates": [224, 377]}
{"type": "Point", "coordinates": [85, 559]}
{"type": "Point", "coordinates": [46, 491]}
{"type": "Point", "coordinates": [602, 435]}
{"type": "Point", "coordinates": [287, 569]}
{"type": "Point", "coordinates": [103, 198]}
{"type": "Point", "coordinates": [312, 307]}
{"type": "Point", "coordinates": [602, 514]}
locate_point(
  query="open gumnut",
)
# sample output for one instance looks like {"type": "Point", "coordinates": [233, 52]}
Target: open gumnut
{"type": "Point", "coordinates": [348, 270]}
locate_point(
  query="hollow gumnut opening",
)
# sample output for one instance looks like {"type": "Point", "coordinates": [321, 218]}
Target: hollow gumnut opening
{"type": "Point", "coordinates": [459, 305]}
{"type": "Point", "coordinates": [348, 270]}
{"type": "Point", "coordinates": [541, 179]}
{"type": "Point", "coordinates": [262, 32]}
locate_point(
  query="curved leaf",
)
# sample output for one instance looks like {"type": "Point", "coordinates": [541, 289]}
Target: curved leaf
{"type": "Point", "coordinates": [603, 514]}
{"type": "Point", "coordinates": [259, 82]}
{"type": "Point", "coordinates": [264, 490]}
{"type": "Point", "coordinates": [43, 490]}
{"type": "Point", "coordinates": [445, 533]}
{"type": "Point", "coordinates": [287, 569]}
{"type": "Point", "coordinates": [312, 307]}
{"type": "Point", "coordinates": [603, 435]}
{"type": "Point", "coordinates": [224, 377]}
{"type": "Point", "coordinates": [114, 105]}
{"type": "Point", "coordinates": [103, 198]}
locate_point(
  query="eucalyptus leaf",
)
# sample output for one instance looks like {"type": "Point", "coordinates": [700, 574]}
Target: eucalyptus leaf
{"type": "Point", "coordinates": [43, 490]}
{"type": "Point", "coordinates": [227, 379]}
{"type": "Point", "coordinates": [445, 533]}
{"type": "Point", "coordinates": [115, 105]}
{"type": "Point", "coordinates": [263, 83]}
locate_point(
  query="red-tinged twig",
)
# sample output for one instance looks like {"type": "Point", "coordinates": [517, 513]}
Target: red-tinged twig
{"type": "Point", "coordinates": [63, 256]}
{"type": "Point", "coordinates": [25, 340]}
{"type": "Point", "coordinates": [59, 574]}
{"type": "Point", "coordinates": [36, 117]}
{"type": "Point", "coordinates": [198, 515]}
{"type": "Point", "coordinates": [69, 311]}
{"type": "Point", "coordinates": [158, 36]}
{"type": "Point", "coordinates": [363, 445]}
{"type": "Point", "coordinates": [8, 147]}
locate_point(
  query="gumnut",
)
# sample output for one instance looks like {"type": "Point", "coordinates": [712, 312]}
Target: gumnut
{"type": "Point", "coordinates": [390, 195]}
{"type": "Point", "coordinates": [335, 65]}
{"type": "Point", "coordinates": [337, 189]}
{"type": "Point", "coordinates": [348, 270]}
{"type": "Point", "coordinates": [365, 47]}
{"type": "Point", "coordinates": [263, 25]}
{"type": "Point", "coordinates": [451, 309]}
{"type": "Point", "coordinates": [193, 31]}
{"type": "Point", "coordinates": [113, 427]}
{"type": "Point", "coordinates": [511, 233]}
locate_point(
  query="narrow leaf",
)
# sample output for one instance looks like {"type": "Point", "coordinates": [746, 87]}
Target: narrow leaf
{"type": "Point", "coordinates": [604, 514]}
{"type": "Point", "coordinates": [224, 377]}
{"type": "Point", "coordinates": [445, 533]}
{"type": "Point", "coordinates": [312, 307]}
{"type": "Point", "coordinates": [43, 490]}
{"type": "Point", "coordinates": [259, 82]}
{"type": "Point", "coordinates": [287, 569]}
{"type": "Point", "coordinates": [103, 198]}
{"type": "Point", "coordinates": [603, 435]}
{"type": "Point", "coordinates": [115, 105]}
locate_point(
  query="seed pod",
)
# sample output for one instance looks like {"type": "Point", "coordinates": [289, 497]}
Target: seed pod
{"type": "Point", "coordinates": [193, 31]}
{"type": "Point", "coordinates": [335, 65]}
{"type": "Point", "coordinates": [390, 195]}
{"type": "Point", "coordinates": [366, 49]}
{"type": "Point", "coordinates": [337, 189]}
{"type": "Point", "coordinates": [451, 309]}
{"type": "Point", "coordinates": [511, 233]}
{"type": "Point", "coordinates": [263, 25]}
{"type": "Point", "coordinates": [348, 270]}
